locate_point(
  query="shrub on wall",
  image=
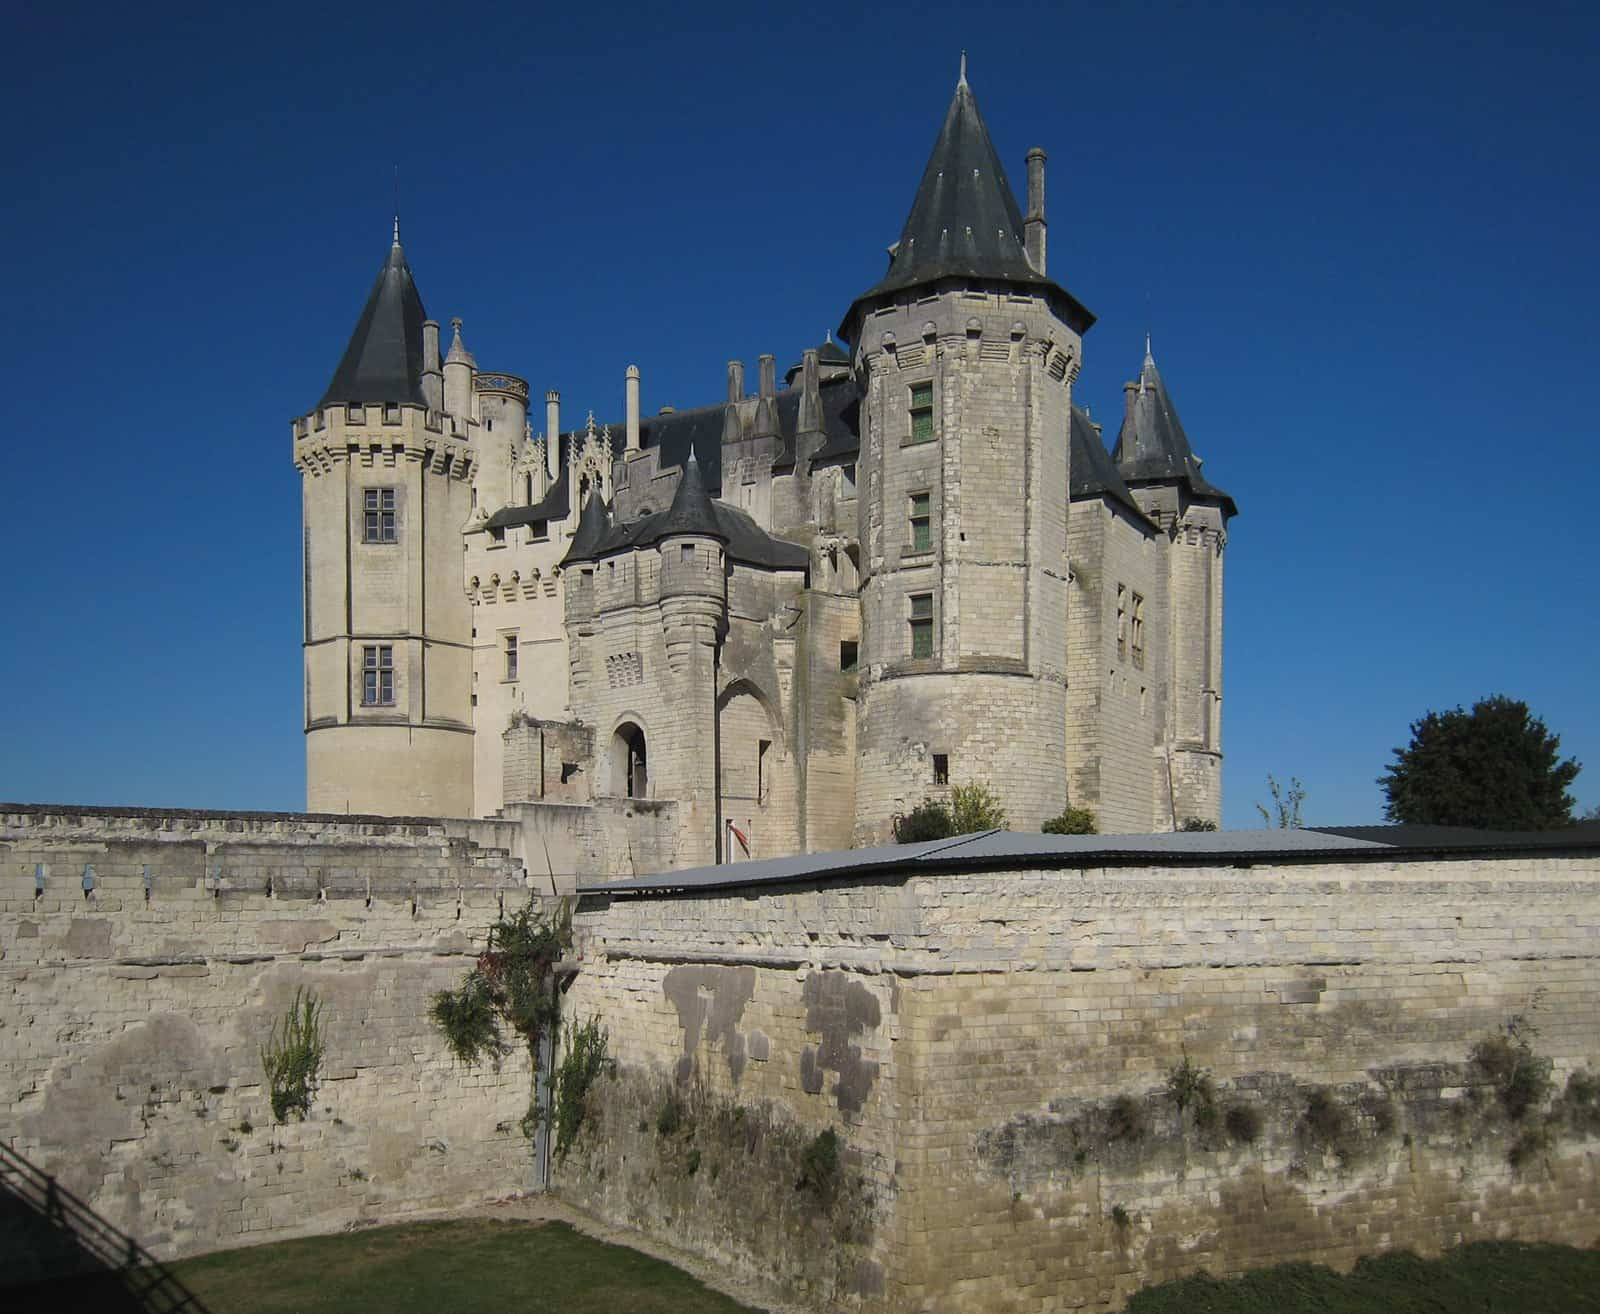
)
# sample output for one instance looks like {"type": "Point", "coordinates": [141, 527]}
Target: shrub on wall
{"type": "Point", "coordinates": [1072, 821]}
{"type": "Point", "coordinates": [930, 821]}
{"type": "Point", "coordinates": [583, 1061]}
{"type": "Point", "coordinates": [975, 807]}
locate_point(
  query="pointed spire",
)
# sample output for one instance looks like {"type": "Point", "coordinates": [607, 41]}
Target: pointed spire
{"type": "Point", "coordinates": [1152, 444]}
{"type": "Point", "coordinates": [692, 511]}
{"type": "Point", "coordinates": [383, 361]}
{"type": "Point", "coordinates": [594, 523]}
{"type": "Point", "coordinates": [964, 221]}
{"type": "Point", "coordinates": [962, 80]}
{"type": "Point", "coordinates": [458, 353]}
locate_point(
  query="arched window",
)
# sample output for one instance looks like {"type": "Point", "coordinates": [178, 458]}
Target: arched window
{"type": "Point", "coordinates": [630, 772]}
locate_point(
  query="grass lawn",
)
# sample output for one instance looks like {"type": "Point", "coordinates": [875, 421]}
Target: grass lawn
{"type": "Point", "coordinates": [456, 1267]}
{"type": "Point", "coordinates": [1491, 1277]}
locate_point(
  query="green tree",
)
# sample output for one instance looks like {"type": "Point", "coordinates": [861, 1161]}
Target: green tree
{"type": "Point", "coordinates": [1072, 821]}
{"type": "Point", "coordinates": [1496, 767]}
{"type": "Point", "coordinates": [975, 807]}
{"type": "Point", "coordinates": [1285, 814]}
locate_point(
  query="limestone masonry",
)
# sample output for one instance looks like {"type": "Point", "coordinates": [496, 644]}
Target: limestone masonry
{"type": "Point", "coordinates": [771, 624]}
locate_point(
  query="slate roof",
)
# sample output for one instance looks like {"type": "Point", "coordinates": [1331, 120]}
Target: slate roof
{"type": "Point", "coordinates": [1152, 445]}
{"type": "Point", "coordinates": [964, 222]}
{"type": "Point", "coordinates": [1092, 471]}
{"type": "Point", "coordinates": [383, 362]}
{"type": "Point", "coordinates": [1000, 849]}
{"type": "Point", "coordinates": [594, 525]}
{"type": "Point", "coordinates": [691, 511]}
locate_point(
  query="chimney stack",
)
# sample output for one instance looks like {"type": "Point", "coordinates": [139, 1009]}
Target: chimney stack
{"type": "Point", "coordinates": [766, 405]}
{"type": "Point", "coordinates": [632, 377]}
{"type": "Point", "coordinates": [432, 377]}
{"type": "Point", "coordinates": [1033, 227]}
{"type": "Point", "coordinates": [552, 434]}
{"type": "Point", "coordinates": [732, 425]}
{"type": "Point", "coordinates": [735, 380]}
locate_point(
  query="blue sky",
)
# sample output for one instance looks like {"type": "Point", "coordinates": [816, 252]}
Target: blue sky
{"type": "Point", "coordinates": [1362, 237]}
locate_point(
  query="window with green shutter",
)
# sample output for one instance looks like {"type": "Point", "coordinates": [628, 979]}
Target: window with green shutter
{"type": "Point", "coordinates": [921, 412]}
{"type": "Point", "coordinates": [922, 625]}
{"type": "Point", "coordinates": [922, 522]}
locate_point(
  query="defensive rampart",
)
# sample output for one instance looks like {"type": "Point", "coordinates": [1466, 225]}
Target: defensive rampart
{"type": "Point", "coordinates": [1052, 1086]}
{"type": "Point", "coordinates": [133, 1012]}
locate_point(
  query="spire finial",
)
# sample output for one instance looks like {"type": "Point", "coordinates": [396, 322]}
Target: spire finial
{"type": "Point", "coordinates": [397, 203]}
{"type": "Point", "coordinates": [962, 81]}
{"type": "Point", "coordinates": [1147, 342]}
{"type": "Point", "coordinates": [397, 229]}
{"type": "Point", "coordinates": [827, 335]}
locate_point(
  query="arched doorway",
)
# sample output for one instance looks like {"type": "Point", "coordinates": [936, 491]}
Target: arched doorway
{"type": "Point", "coordinates": [630, 767]}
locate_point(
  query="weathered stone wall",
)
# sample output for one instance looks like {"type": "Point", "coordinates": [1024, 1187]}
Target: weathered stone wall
{"type": "Point", "coordinates": [132, 1018]}
{"type": "Point", "coordinates": [996, 1050]}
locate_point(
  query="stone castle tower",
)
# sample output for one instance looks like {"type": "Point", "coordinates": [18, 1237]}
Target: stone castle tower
{"type": "Point", "coordinates": [772, 623]}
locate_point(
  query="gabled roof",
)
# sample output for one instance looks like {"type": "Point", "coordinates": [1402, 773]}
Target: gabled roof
{"type": "Point", "coordinates": [964, 222]}
{"type": "Point", "coordinates": [383, 362]}
{"type": "Point", "coordinates": [1152, 446]}
{"type": "Point", "coordinates": [1092, 471]}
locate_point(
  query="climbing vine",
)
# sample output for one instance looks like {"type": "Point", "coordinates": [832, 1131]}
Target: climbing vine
{"type": "Point", "coordinates": [292, 1056]}
{"type": "Point", "coordinates": [512, 985]}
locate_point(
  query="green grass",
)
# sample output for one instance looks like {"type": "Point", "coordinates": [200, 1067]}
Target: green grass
{"type": "Point", "coordinates": [456, 1267]}
{"type": "Point", "coordinates": [1491, 1277]}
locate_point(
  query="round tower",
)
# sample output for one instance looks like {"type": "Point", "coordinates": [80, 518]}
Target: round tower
{"type": "Point", "coordinates": [965, 353]}
{"type": "Point", "coordinates": [387, 628]}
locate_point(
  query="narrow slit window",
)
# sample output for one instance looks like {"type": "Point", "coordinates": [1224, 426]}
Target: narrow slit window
{"type": "Point", "coordinates": [1136, 631]}
{"type": "Point", "coordinates": [510, 645]}
{"type": "Point", "coordinates": [1122, 622]}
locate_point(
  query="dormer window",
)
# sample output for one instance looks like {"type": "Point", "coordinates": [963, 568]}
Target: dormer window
{"type": "Point", "coordinates": [538, 531]}
{"type": "Point", "coordinates": [497, 536]}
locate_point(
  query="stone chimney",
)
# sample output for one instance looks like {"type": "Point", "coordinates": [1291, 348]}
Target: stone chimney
{"type": "Point", "coordinates": [632, 388]}
{"type": "Point", "coordinates": [432, 377]}
{"type": "Point", "coordinates": [732, 427]}
{"type": "Point", "coordinates": [766, 425]}
{"type": "Point", "coordinates": [552, 434]}
{"type": "Point", "coordinates": [1033, 227]}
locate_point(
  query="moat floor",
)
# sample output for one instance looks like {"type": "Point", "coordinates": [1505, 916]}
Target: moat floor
{"type": "Point", "coordinates": [1491, 1277]}
{"type": "Point", "coordinates": [457, 1266]}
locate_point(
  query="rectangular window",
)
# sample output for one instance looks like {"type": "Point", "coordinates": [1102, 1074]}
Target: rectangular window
{"type": "Point", "coordinates": [377, 675]}
{"type": "Point", "coordinates": [763, 769]}
{"type": "Point", "coordinates": [1122, 622]}
{"type": "Point", "coordinates": [538, 531]}
{"type": "Point", "coordinates": [847, 481]}
{"type": "Point", "coordinates": [921, 412]}
{"type": "Point", "coordinates": [922, 625]}
{"type": "Point", "coordinates": [1136, 632]}
{"type": "Point", "coordinates": [941, 768]}
{"type": "Point", "coordinates": [922, 522]}
{"type": "Point", "coordinates": [497, 536]}
{"type": "Point", "coordinates": [378, 506]}
{"type": "Point", "coordinates": [686, 553]}
{"type": "Point", "coordinates": [510, 646]}
{"type": "Point", "coordinates": [848, 650]}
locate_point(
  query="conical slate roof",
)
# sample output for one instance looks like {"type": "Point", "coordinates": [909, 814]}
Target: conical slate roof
{"type": "Point", "coordinates": [1094, 473]}
{"type": "Point", "coordinates": [1152, 444]}
{"type": "Point", "coordinates": [383, 362]}
{"type": "Point", "coordinates": [964, 222]}
{"type": "Point", "coordinates": [691, 511]}
{"type": "Point", "coordinates": [594, 523]}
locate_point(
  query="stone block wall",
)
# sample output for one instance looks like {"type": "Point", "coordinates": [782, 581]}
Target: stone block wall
{"type": "Point", "coordinates": [132, 1018]}
{"type": "Point", "coordinates": [998, 1051]}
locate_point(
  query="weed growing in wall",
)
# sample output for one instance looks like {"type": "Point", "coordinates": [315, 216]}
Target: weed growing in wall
{"type": "Point", "coordinates": [1521, 1079]}
{"type": "Point", "coordinates": [819, 1167]}
{"type": "Point", "coordinates": [584, 1059]}
{"type": "Point", "coordinates": [1189, 1085]}
{"type": "Point", "coordinates": [292, 1057]}
{"type": "Point", "coordinates": [1327, 1124]}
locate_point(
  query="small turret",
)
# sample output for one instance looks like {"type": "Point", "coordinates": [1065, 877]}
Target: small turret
{"type": "Point", "coordinates": [458, 368]}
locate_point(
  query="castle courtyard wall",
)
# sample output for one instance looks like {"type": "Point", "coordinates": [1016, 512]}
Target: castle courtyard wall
{"type": "Point", "coordinates": [131, 1022]}
{"type": "Point", "coordinates": [995, 1050]}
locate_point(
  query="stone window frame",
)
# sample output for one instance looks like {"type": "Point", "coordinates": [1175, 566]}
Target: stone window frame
{"type": "Point", "coordinates": [847, 481]}
{"type": "Point", "coordinates": [941, 768]}
{"type": "Point", "coordinates": [922, 624]}
{"type": "Point", "coordinates": [919, 516]}
{"type": "Point", "coordinates": [377, 675]}
{"type": "Point", "coordinates": [380, 515]}
{"type": "Point", "coordinates": [510, 657]}
{"type": "Point", "coordinates": [920, 426]}
{"type": "Point", "coordinates": [1136, 631]}
{"type": "Point", "coordinates": [538, 531]}
{"type": "Point", "coordinates": [1122, 622]}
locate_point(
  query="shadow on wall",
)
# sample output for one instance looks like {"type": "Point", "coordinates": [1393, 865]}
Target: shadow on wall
{"type": "Point", "coordinates": [56, 1253]}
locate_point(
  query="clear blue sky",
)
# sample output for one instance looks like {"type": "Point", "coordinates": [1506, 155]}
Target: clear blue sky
{"type": "Point", "coordinates": [1363, 237]}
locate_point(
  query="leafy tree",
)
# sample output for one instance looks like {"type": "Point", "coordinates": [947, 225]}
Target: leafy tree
{"type": "Point", "coordinates": [1496, 766]}
{"type": "Point", "coordinates": [1285, 814]}
{"type": "Point", "coordinates": [1072, 821]}
{"type": "Point", "coordinates": [975, 807]}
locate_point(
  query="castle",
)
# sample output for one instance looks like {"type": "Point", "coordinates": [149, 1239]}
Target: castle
{"type": "Point", "coordinates": [770, 624]}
